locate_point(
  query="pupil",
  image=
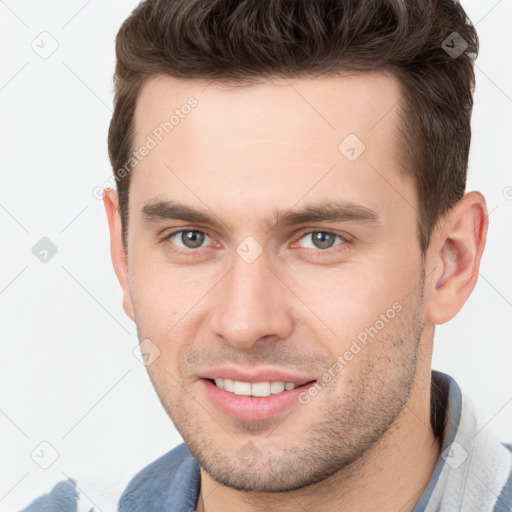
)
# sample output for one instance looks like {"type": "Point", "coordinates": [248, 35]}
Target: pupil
{"type": "Point", "coordinates": [323, 240]}
{"type": "Point", "coordinates": [192, 239]}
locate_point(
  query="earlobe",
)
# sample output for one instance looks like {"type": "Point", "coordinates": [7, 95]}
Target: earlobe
{"type": "Point", "coordinates": [117, 250]}
{"type": "Point", "coordinates": [458, 244]}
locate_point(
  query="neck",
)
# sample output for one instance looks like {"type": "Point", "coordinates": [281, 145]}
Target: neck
{"type": "Point", "coordinates": [390, 476]}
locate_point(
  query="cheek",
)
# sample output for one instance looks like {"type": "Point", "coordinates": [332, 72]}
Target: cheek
{"type": "Point", "coordinates": [167, 304]}
{"type": "Point", "coordinates": [162, 294]}
{"type": "Point", "coordinates": [350, 298]}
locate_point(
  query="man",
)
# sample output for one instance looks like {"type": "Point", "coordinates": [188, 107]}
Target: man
{"type": "Point", "coordinates": [290, 224]}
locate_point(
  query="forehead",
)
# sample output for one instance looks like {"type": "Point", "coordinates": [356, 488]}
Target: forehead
{"type": "Point", "coordinates": [315, 107]}
{"type": "Point", "coordinates": [275, 140]}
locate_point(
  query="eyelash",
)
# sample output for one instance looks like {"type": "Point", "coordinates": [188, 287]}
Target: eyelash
{"type": "Point", "coordinates": [318, 252]}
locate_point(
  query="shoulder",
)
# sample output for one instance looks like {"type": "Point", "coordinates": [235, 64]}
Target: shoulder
{"type": "Point", "coordinates": [504, 499]}
{"type": "Point", "coordinates": [62, 498]}
{"type": "Point", "coordinates": [171, 480]}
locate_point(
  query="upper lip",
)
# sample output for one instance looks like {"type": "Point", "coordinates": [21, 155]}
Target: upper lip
{"type": "Point", "coordinates": [252, 375]}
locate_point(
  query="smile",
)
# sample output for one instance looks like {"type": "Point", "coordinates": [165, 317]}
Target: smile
{"type": "Point", "coordinates": [259, 389]}
{"type": "Point", "coordinates": [252, 401]}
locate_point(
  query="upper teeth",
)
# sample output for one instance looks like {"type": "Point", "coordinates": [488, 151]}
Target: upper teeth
{"type": "Point", "coordinates": [254, 388]}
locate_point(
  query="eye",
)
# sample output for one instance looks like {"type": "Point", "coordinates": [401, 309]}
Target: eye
{"type": "Point", "coordinates": [188, 238]}
{"type": "Point", "coordinates": [184, 241]}
{"type": "Point", "coordinates": [322, 239]}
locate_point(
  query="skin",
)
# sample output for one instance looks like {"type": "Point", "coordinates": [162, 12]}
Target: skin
{"type": "Point", "coordinates": [364, 442]}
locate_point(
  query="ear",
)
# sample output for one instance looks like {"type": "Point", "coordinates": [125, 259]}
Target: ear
{"type": "Point", "coordinates": [117, 251]}
{"type": "Point", "coordinates": [458, 244]}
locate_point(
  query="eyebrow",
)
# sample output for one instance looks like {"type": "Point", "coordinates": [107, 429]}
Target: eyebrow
{"type": "Point", "coordinates": [328, 211]}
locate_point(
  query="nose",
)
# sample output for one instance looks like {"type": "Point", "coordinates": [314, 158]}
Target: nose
{"type": "Point", "coordinates": [252, 303]}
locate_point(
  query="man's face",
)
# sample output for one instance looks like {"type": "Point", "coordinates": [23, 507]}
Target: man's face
{"type": "Point", "coordinates": [259, 295]}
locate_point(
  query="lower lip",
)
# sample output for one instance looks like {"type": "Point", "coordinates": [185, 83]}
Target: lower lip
{"type": "Point", "coordinates": [249, 407]}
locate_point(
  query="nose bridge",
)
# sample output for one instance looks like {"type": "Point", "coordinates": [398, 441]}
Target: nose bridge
{"type": "Point", "coordinates": [251, 303]}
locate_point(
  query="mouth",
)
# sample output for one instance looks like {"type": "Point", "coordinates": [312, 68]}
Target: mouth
{"type": "Point", "coordinates": [256, 389]}
{"type": "Point", "coordinates": [253, 401]}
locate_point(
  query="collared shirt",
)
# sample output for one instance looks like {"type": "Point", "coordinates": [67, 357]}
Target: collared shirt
{"type": "Point", "coordinates": [473, 472]}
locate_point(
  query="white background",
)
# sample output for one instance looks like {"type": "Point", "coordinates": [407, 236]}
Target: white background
{"type": "Point", "coordinates": [68, 375]}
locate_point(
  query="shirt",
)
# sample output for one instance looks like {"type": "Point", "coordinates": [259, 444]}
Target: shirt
{"type": "Point", "coordinates": [473, 472]}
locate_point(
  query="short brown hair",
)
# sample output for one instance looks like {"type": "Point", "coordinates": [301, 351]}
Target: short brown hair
{"type": "Point", "coordinates": [243, 41]}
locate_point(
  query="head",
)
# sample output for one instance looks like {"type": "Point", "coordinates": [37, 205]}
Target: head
{"type": "Point", "coordinates": [314, 157]}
